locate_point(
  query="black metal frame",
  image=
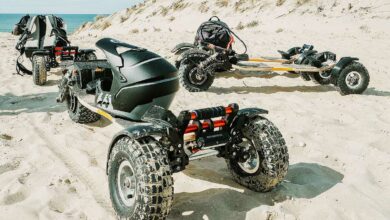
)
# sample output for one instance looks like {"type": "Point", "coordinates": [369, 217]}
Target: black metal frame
{"type": "Point", "coordinates": [171, 131]}
{"type": "Point", "coordinates": [67, 53]}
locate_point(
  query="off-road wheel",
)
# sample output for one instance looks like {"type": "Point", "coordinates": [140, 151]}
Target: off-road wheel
{"type": "Point", "coordinates": [178, 50]}
{"type": "Point", "coordinates": [305, 75]}
{"type": "Point", "coordinates": [78, 112]}
{"type": "Point", "coordinates": [353, 79]}
{"type": "Point", "coordinates": [268, 161]}
{"type": "Point", "coordinates": [177, 63]}
{"type": "Point", "coordinates": [139, 178]}
{"type": "Point", "coordinates": [193, 77]}
{"type": "Point", "coordinates": [39, 70]}
{"type": "Point", "coordinates": [321, 78]}
{"type": "Point", "coordinates": [178, 58]}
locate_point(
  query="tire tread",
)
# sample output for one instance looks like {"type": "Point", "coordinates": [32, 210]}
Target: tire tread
{"type": "Point", "coordinates": [39, 70]}
{"type": "Point", "coordinates": [273, 152]}
{"type": "Point", "coordinates": [354, 66]}
{"type": "Point", "coordinates": [155, 182]}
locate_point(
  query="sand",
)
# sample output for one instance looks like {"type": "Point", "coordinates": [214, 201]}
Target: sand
{"type": "Point", "coordinates": [52, 168]}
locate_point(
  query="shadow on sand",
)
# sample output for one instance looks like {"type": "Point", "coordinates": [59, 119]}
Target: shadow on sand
{"type": "Point", "coordinates": [42, 102]}
{"type": "Point", "coordinates": [375, 92]}
{"type": "Point", "coordinates": [277, 89]}
{"type": "Point", "coordinates": [270, 89]}
{"type": "Point", "coordinates": [52, 82]}
{"type": "Point", "coordinates": [11, 104]}
{"type": "Point", "coordinates": [304, 180]}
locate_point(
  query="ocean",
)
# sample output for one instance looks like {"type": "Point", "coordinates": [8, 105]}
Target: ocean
{"type": "Point", "coordinates": [73, 21]}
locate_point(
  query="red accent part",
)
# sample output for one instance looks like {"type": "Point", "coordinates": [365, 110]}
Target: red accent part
{"type": "Point", "coordinates": [191, 128]}
{"type": "Point", "coordinates": [194, 127]}
{"type": "Point", "coordinates": [230, 42]}
{"type": "Point", "coordinates": [229, 110]}
{"type": "Point", "coordinates": [219, 123]}
{"type": "Point", "coordinates": [65, 53]}
{"type": "Point", "coordinates": [58, 48]}
{"type": "Point", "coordinates": [195, 150]}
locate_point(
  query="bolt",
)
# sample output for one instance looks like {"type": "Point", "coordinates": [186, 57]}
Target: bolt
{"type": "Point", "coordinates": [127, 183]}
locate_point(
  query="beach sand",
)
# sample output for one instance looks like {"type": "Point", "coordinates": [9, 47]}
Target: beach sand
{"type": "Point", "coordinates": [53, 168]}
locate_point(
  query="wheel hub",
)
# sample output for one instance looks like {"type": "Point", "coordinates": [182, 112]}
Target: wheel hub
{"type": "Point", "coordinates": [353, 79]}
{"type": "Point", "coordinates": [197, 76]}
{"type": "Point", "coordinates": [126, 183]}
{"type": "Point", "coordinates": [251, 156]}
{"type": "Point", "coordinates": [325, 75]}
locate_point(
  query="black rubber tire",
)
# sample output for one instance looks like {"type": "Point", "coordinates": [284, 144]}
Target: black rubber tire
{"type": "Point", "coordinates": [79, 113]}
{"type": "Point", "coordinates": [318, 79]}
{"type": "Point", "coordinates": [315, 77]}
{"type": "Point", "coordinates": [178, 56]}
{"type": "Point", "coordinates": [365, 77]}
{"type": "Point", "coordinates": [177, 64]}
{"type": "Point", "coordinates": [90, 56]}
{"type": "Point", "coordinates": [305, 75]}
{"type": "Point", "coordinates": [273, 153]}
{"type": "Point", "coordinates": [154, 188]}
{"type": "Point", "coordinates": [184, 70]}
{"type": "Point", "coordinates": [192, 59]}
{"type": "Point", "coordinates": [39, 70]}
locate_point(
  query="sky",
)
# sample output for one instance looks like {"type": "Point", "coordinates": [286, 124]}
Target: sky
{"type": "Point", "coordinates": [65, 6]}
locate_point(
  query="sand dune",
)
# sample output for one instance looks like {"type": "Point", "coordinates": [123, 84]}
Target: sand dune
{"type": "Point", "coordinates": [52, 168]}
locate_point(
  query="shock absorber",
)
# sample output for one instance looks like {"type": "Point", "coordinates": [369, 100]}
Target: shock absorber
{"type": "Point", "coordinates": [206, 115]}
{"type": "Point", "coordinates": [204, 133]}
{"type": "Point", "coordinates": [202, 125]}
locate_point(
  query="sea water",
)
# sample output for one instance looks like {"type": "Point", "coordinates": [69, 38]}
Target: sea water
{"type": "Point", "coordinates": [73, 21]}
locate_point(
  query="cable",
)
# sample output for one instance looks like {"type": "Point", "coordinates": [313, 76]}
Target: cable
{"type": "Point", "coordinates": [227, 28]}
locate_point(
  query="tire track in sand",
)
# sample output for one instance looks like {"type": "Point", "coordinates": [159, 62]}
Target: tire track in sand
{"type": "Point", "coordinates": [75, 168]}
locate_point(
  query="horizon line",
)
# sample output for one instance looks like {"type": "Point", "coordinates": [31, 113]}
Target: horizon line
{"type": "Point", "coordinates": [17, 13]}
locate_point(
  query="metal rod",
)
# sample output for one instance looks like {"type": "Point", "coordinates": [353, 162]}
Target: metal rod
{"type": "Point", "coordinates": [283, 67]}
{"type": "Point", "coordinates": [203, 153]}
{"type": "Point", "coordinates": [268, 60]}
{"type": "Point", "coordinates": [214, 146]}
